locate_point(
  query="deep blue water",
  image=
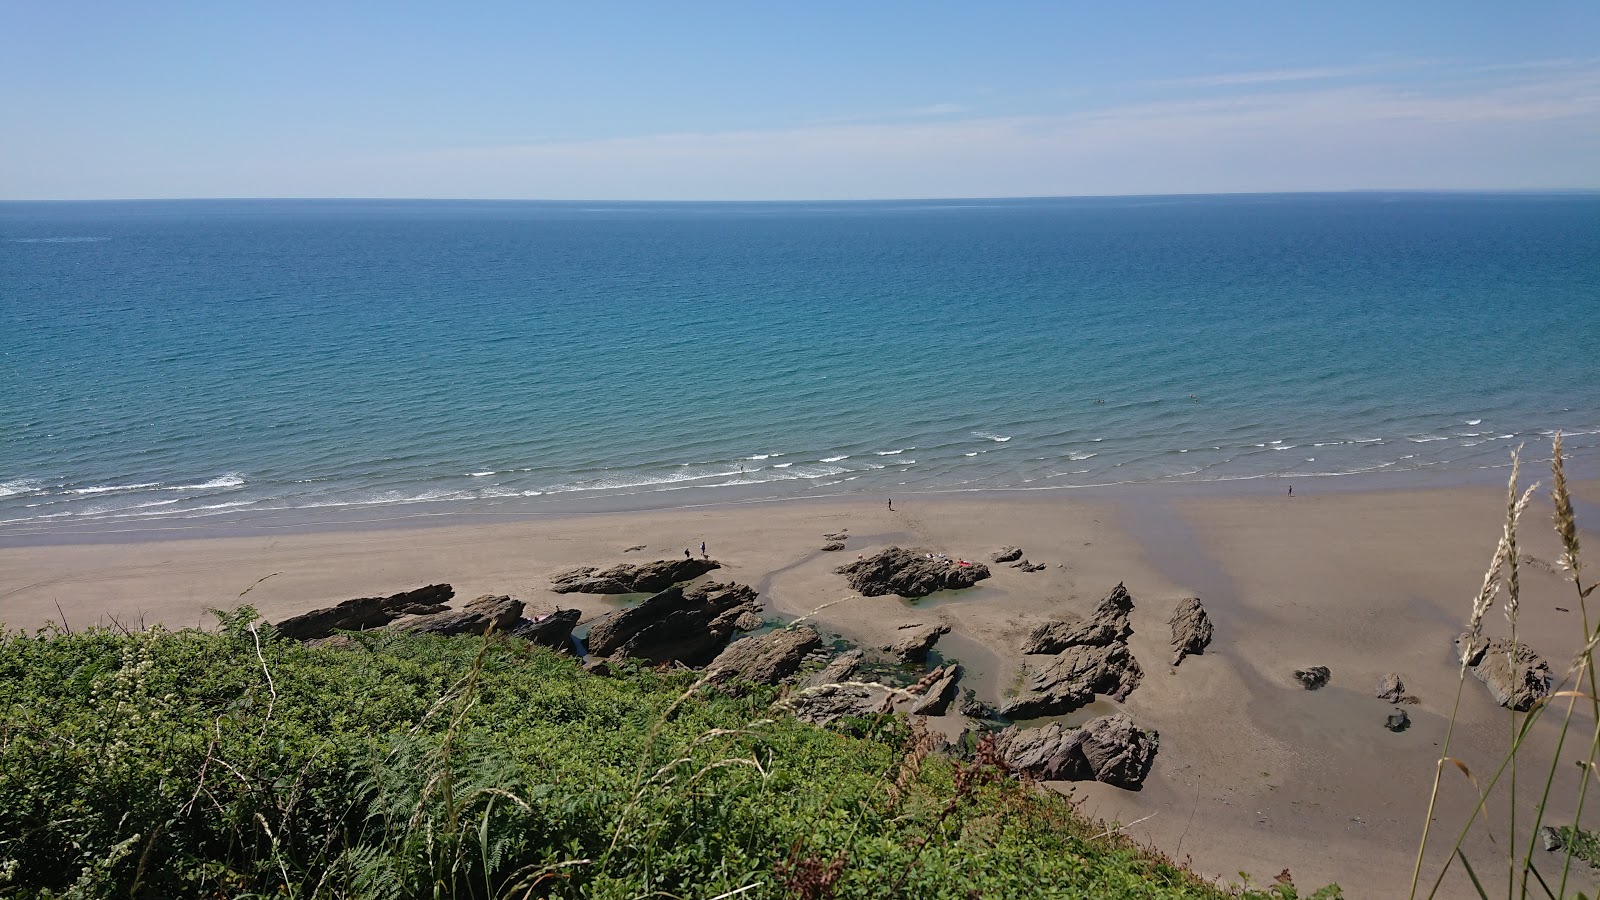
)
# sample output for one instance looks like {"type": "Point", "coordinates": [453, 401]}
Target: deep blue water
{"type": "Point", "coordinates": [186, 360]}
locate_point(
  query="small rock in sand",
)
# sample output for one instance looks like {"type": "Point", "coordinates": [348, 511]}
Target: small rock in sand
{"type": "Point", "coordinates": [839, 535]}
{"type": "Point", "coordinates": [1312, 677]}
{"type": "Point", "coordinates": [832, 546]}
{"type": "Point", "coordinates": [1550, 838]}
{"type": "Point", "coordinates": [1398, 721]}
{"type": "Point", "coordinates": [1005, 555]}
{"type": "Point", "coordinates": [1391, 688]}
{"type": "Point", "coordinates": [1515, 675]}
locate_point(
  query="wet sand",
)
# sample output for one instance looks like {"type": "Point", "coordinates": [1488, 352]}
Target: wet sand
{"type": "Point", "coordinates": [1254, 774]}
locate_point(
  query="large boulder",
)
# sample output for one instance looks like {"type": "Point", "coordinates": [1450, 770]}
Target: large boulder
{"type": "Point", "coordinates": [366, 612]}
{"type": "Point", "coordinates": [1191, 629]}
{"type": "Point", "coordinates": [915, 641]}
{"type": "Point", "coordinates": [688, 626]}
{"type": "Point", "coordinates": [1109, 749]}
{"type": "Point", "coordinates": [1072, 678]}
{"type": "Point", "coordinates": [625, 578]}
{"type": "Point", "coordinates": [935, 701]}
{"type": "Point", "coordinates": [1515, 675]}
{"type": "Point", "coordinates": [765, 658]}
{"type": "Point", "coordinates": [552, 629]}
{"type": "Point", "coordinates": [910, 574]}
{"type": "Point", "coordinates": [496, 612]}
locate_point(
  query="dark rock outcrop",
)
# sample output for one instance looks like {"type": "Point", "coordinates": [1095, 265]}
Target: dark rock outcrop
{"type": "Point", "coordinates": [915, 641]}
{"type": "Point", "coordinates": [832, 546]}
{"type": "Point", "coordinates": [366, 612]}
{"type": "Point", "coordinates": [1391, 688]}
{"type": "Point", "coordinates": [909, 574]}
{"type": "Point", "coordinates": [1109, 749]}
{"type": "Point", "coordinates": [765, 658]}
{"type": "Point", "coordinates": [489, 612]}
{"type": "Point", "coordinates": [690, 626]}
{"type": "Point", "coordinates": [1312, 677]}
{"type": "Point", "coordinates": [1191, 629]}
{"type": "Point", "coordinates": [1108, 623]}
{"type": "Point", "coordinates": [936, 699]}
{"type": "Point", "coordinates": [1005, 555]}
{"type": "Point", "coordinates": [1515, 675]}
{"type": "Point", "coordinates": [552, 629]}
{"type": "Point", "coordinates": [1072, 678]}
{"type": "Point", "coordinates": [629, 579]}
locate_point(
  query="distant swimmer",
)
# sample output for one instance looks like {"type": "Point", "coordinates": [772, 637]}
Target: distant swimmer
{"type": "Point", "coordinates": [1194, 397]}
{"type": "Point", "coordinates": [1099, 401]}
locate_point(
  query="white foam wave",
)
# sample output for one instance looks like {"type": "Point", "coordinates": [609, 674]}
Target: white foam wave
{"type": "Point", "coordinates": [1474, 421]}
{"type": "Point", "coordinates": [1367, 441]}
{"type": "Point", "coordinates": [1426, 438]}
{"type": "Point", "coordinates": [1286, 447]}
{"type": "Point", "coordinates": [758, 456]}
{"type": "Point", "coordinates": [480, 474]}
{"type": "Point", "coordinates": [831, 459]}
{"type": "Point", "coordinates": [782, 465]}
{"type": "Point", "coordinates": [973, 453]}
{"type": "Point", "coordinates": [1079, 457]}
{"type": "Point", "coordinates": [892, 452]}
{"type": "Point", "coordinates": [998, 438]}
{"type": "Point", "coordinates": [57, 240]}
{"type": "Point", "coordinates": [108, 488]}
{"type": "Point", "coordinates": [230, 480]}
{"type": "Point", "coordinates": [19, 486]}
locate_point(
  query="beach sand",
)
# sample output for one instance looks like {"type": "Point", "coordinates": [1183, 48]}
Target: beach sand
{"type": "Point", "coordinates": [1255, 774]}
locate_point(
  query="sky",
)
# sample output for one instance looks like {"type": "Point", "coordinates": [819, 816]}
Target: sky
{"type": "Point", "coordinates": [748, 100]}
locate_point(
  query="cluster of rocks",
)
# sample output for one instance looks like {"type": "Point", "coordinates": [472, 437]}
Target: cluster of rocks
{"type": "Point", "coordinates": [690, 625]}
{"type": "Point", "coordinates": [1082, 657]}
{"type": "Point", "coordinates": [426, 610]}
{"type": "Point", "coordinates": [1515, 675]}
{"type": "Point", "coordinates": [1013, 557]}
{"type": "Point", "coordinates": [835, 540]}
{"type": "Point", "coordinates": [623, 578]}
{"type": "Point", "coordinates": [910, 574]}
{"type": "Point", "coordinates": [1313, 678]}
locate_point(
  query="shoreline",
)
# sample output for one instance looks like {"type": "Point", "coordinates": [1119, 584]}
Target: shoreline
{"type": "Point", "coordinates": [1254, 773]}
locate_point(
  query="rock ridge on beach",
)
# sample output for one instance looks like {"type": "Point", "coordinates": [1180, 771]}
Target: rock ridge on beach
{"type": "Point", "coordinates": [498, 612]}
{"type": "Point", "coordinates": [1091, 656]}
{"type": "Point", "coordinates": [690, 626]}
{"type": "Point", "coordinates": [626, 578]}
{"type": "Point", "coordinates": [910, 574]}
{"type": "Point", "coordinates": [915, 642]}
{"type": "Point", "coordinates": [765, 658]}
{"type": "Point", "coordinates": [1191, 629]}
{"type": "Point", "coordinates": [363, 613]}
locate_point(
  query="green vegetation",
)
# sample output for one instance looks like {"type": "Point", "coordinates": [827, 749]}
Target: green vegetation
{"type": "Point", "coordinates": [1585, 844]}
{"type": "Point", "coordinates": [165, 764]}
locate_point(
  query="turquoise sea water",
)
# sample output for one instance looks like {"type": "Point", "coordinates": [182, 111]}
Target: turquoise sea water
{"type": "Point", "coordinates": [194, 362]}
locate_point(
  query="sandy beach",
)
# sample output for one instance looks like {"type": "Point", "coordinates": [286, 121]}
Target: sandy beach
{"type": "Point", "coordinates": [1254, 775]}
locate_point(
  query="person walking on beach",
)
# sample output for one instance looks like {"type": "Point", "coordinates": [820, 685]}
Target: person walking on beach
{"type": "Point", "coordinates": [703, 550]}
{"type": "Point", "coordinates": [686, 555]}
{"type": "Point", "coordinates": [891, 504]}
{"type": "Point", "coordinates": [1291, 490]}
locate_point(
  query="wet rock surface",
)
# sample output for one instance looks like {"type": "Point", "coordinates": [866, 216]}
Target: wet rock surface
{"type": "Point", "coordinates": [1109, 749]}
{"type": "Point", "coordinates": [1191, 629]}
{"type": "Point", "coordinates": [1515, 676]}
{"type": "Point", "coordinates": [914, 642]}
{"type": "Point", "coordinates": [625, 578]}
{"type": "Point", "coordinates": [910, 574]}
{"type": "Point", "coordinates": [690, 626]}
{"type": "Point", "coordinates": [765, 658]}
{"type": "Point", "coordinates": [366, 612]}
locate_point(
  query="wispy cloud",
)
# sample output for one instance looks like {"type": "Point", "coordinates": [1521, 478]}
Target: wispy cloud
{"type": "Point", "coordinates": [933, 110]}
{"type": "Point", "coordinates": [1284, 76]}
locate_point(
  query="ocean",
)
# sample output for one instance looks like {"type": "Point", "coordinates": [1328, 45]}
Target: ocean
{"type": "Point", "coordinates": [186, 363]}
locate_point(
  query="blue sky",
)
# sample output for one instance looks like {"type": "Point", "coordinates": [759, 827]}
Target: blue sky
{"type": "Point", "coordinates": [812, 100]}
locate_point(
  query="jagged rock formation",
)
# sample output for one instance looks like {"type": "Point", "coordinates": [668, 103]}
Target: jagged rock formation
{"type": "Point", "coordinates": [1312, 677]}
{"type": "Point", "coordinates": [1005, 555]}
{"type": "Point", "coordinates": [1191, 629]}
{"type": "Point", "coordinates": [552, 629]}
{"type": "Point", "coordinates": [688, 626]}
{"type": "Point", "coordinates": [1072, 678]}
{"type": "Point", "coordinates": [1091, 657]}
{"type": "Point", "coordinates": [1109, 749]}
{"type": "Point", "coordinates": [625, 578]}
{"type": "Point", "coordinates": [915, 641]}
{"type": "Point", "coordinates": [366, 612]}
{"type": "Point", "coordinates": [765, 658]}
{"type": "Point", "coordinates": [936, 699]}
{"type": "Point", "coordinates": [1391, 688]}
{"type": "Point", "coordinates": [1515, 675]}
{"type": "Point", "coordinates": [491, 611]}
{"type": "Point", "coordinates": [909, 574]}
